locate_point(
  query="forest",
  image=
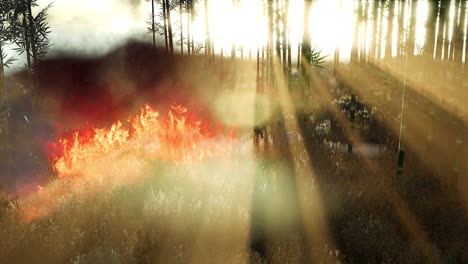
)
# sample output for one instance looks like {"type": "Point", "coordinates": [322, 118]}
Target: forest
{"type": "Point", "coordinates": [233, 131]}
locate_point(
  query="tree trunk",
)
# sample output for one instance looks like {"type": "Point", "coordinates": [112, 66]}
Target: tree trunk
{"type": "Point", "coordinates": [233, 51]}
{"type": "Point", "coordinates": [169, 24]}
{"type": "Point", "coordinates": [374, 36]}
{"type": "Point", "coordinates": [458, 52]}
{"type": "Point", "coordinates": [152, 24]}
{"type": "Point", "coordinates": [189, 21]}
{"type": "Point", "coordinates": [412, 30]}
{"type": "Point", "coordinates": [380, 35]}
{"type": "Point", "coordinates": [32, 34]}
{"type": "Point", "coordinates": [2, 77]}
{"type": "Point", "coordinates": [389, 38]}
{"type": "Point", "coordinates": [306, 49]}
{"type": "Point", "coordinates": [401, 28]}
{"type": "Point", "coordinates": [306, 38]}
{"type": "Point", "coordinates": [440, 36]}
{"type": "Point", "coordinates": [181, 28]}
{"type": "Point", "coordinates": [355, 47]}
{"type": "Point", "coordinates": [289, 44]}
{"type": "Point", "coordinates": [207, 33]}
{"type": "Point", "coordinates": [4, 131]}
{"type": "Point", "coordinates": [166, 40]}
{"type": "Point", "coordinates": [26, 40]}
{"type": "Point", "coordinates": [284, 36]}
{"type": "Point", "coordinates": [431, 24]}
{"type": "Point", "coordinates": [298, 64]}
{"type": "Point", "coordinates": [276, 13]}
{"type": "Point", "coordinates": [362, 57]}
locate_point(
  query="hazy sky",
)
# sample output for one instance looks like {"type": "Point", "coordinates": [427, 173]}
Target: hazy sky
{"type": "Point", "coordinates": [91, 27]}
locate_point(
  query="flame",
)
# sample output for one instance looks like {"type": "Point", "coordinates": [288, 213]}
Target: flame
{"type": "Point", "coordinates": [98, 159]}
{"type": "Point", "coordinates": [176, 138]}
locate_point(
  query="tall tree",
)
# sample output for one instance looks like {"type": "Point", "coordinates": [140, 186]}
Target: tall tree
{"type": "Point", "coordinates": [458, 33]}
{"type": "Point", "coordinates": [389, 37]}
{"type": "Point", "coordinates": [362, 45]}
{"type": "Point", "coordinates": [189, 10]}
{"type": "Point", "coordinates": [401, 29]}
{"type": "Point", "coordinates": [166, 37]}
{"type": "Point", "coordinates": [288, 42]}
{"type": "Point", "coordinates": [158, 26]}
{"type": "Point", "coordinates": [442, 34]}
{"type": "Point", "coordinates": [207, 33]}
{"type": "Point", "coordinates": [31, 37]}
{"type": "Point", "coordinates": [431, 25]}
{"type": "Point", "coordinates": [181, 25]}
{"type": "Point", "coordinates": [354, 49]}
{"type": "Point", "coordinates": [375, 36]}
{"type": "Point", "coordinates": [306, 37]}
{"type": "Point", "coordinates": [6, 37]}
{"type": "Point", "coordinates": [153, 29]}
{"type": "Point", "coordinates": [233, 46]}
{"type": "Point", "coordinates": [412, 29]}
{"type": "Point", "coordinates": [168, 5]}
{"type": "Point", "coordinates": [379, 39]}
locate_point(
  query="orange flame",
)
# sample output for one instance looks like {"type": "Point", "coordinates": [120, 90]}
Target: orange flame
{"type": "Point", "coordinates": [175, 139]}
{"type": "Point", "coordinates": [179, 138]}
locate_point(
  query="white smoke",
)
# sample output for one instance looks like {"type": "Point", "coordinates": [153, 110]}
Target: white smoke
{"type": "Point", "coordinates": [90, 27]}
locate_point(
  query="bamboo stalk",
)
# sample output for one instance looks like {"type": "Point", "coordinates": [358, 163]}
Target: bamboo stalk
{"type": "Point", "coordinates": [352, 115]}
{"type": "Point", "coordinates": [401, 145]}
{"type": "Point", "coordinates": [152, 24]}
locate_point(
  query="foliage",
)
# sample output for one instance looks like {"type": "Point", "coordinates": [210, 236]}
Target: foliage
{"type": "Point", "coordinates": [37, 32]}
{"type": "Point", "coordinates": [314, 57]}
{"type": "Point", "coordinates": [6, 33]}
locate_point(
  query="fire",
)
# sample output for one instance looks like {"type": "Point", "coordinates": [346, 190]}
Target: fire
{"type": "Point", "coordinates": [97, 160]}
{"type": "Point", "coordinates": [176, 138]}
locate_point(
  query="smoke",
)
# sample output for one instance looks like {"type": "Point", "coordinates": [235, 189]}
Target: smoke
{"type": "Point", "coordinates": [89, 28]}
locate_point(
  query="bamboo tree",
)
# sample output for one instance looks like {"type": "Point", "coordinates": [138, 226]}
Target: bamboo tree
{"type": "Point", "coordinates": [284, 38]}
{"type": "Point", "coordinates": [306, 46]}
{"type": "Point", "coordinates": [188, 8]}
{"type": "Point", "coordinates": [6, 37]}
{"type": "Point", "coordinates": [412, 28]}
{"type": "Point", "coordinates": [389, 37]}
{"type": "Point", "coordinates": [372, 53]}
{"type": "Point", "coordinates": [458, 53]}
{"type": "Point", "coordinates": [153, 30]}
{"type": "Point", "coordinates": [362, 46]}
{"type": "Point", "coordinates": [402, 136]}
{"type": "Point", "coordinates": [352, 115]}
{"type": "Point", "coordinates": [380, 36]}
{"type": "Point", "coordinates": [192, 14]}
{"type": "Point", "coordinates": [166, 37]}
{"type": "Point", "coordinates": [441, 38]}
{"type": "Point", "coordinates": [168, 6]}
{"type": "Point", "coordinates": [207, 34]}
{"type": "Point", "coordinates": [156, 26]}
{"type": "Point", "coordinates": [288, 44]}
{"type": "Point", "coordinates": [181, 26]}
{"type": "Point", "coordinates": [233, 46]}
{"type": "Point", "coordinates": [431, 24]}
{"type": "Point", "coordinates": [31, 37]}
{"type": "Point", "coordinates": [401, 29]}
{"type": "Point", "coordinates": [277, 12]}
{"type": "Point", "coordinates": [354, 49]}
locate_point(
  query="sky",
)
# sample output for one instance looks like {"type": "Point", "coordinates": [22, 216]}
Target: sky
{"type": "Point", "coordinates": [90, 27]}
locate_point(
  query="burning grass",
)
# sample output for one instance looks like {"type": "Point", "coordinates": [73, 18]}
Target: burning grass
{"type": "Point", "coordinates": [150, 190]}
{"type": "Point", "coordinates": [178, 138]}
